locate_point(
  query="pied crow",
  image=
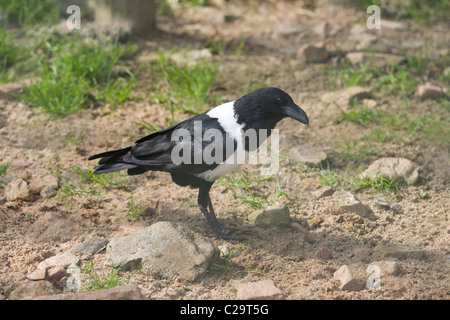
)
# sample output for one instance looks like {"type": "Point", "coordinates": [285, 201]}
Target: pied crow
{"type": "Point", "coordinates": [180, 149]}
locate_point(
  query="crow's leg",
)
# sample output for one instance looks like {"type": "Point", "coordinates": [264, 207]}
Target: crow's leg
{"type": "Point", "coordinates": [205, 205]}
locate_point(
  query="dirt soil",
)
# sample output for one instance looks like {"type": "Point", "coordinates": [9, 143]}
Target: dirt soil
{"type": "Point", "coordinates": [301, 259]}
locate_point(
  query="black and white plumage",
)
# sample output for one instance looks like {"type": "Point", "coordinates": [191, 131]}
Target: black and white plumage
{"type": "Point", "coordinates": [260, 109]}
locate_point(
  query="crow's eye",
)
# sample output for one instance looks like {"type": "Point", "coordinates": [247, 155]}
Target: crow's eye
{"type": "Point", "coordinates": [279, 100]}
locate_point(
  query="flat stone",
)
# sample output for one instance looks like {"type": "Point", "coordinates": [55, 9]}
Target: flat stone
{"type": "Point", "coordinates": [165, 249]}
{"type": "Point", "coordinates": [351, 278]}
{"type": "Point", "coordinates": [276, 215]}
{"type": "Point", "coordinates": [345, 96]}
{"type": "Point", "coordinates": [377, 60]}
{"type": "Point", "coordinates": [260, 290]}
{"type": "Point", "coordinates": [56, 273]}
{"type": "Point", "coordinates": [429, 91]}
{"type": "Point", "coordinates": [287, 29]}
{"type": "Point", "coordinates": [37, 183]}
{"type": "Point", "coordinates": [38, 274]}
{"type": "Point", "coordinates": [128, 292]}
{"type": "Point", "coordinates": [91, 246]}
{"type": "Point", "coordinates": [400, 252]}
{"type": "Point", "coordinates": [309, 154]}
{"type": "Point", "coordinates": [345, 202]}
{"type": "Point", "coordinates": [325, 191]}
{"type": "Point", "coordinates": [62, 260]}
{"type": "Point", "coordinates": [16, 190]}
{"type": "Point", "coordinates": [394, 169]}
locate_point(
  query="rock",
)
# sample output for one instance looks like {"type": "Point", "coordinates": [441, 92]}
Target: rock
{"type": "Point", "coordinates": [191, 57]}
{"type": "Point", "coordinates": [377, 60]}
{"type": "Point", "coordinates": [429, 91]}
{"type": "Point", "coordinates": [164, 249]}
{"type": "Point", "coordinates": [16, 190]}
{"type": "Point", "coordinates": [394, 169]}
{"type": "Point", "coordinates": [321, 29]}
{"type": "Point", "coordinates": [345, 202]}
{"type": "Point", "coordinates": [48, 192]}
{"type": "Point", "coordinates": [351, 278]}
{"type": "Point", "coordinates": [224, 251]}
{"type": "Point", "coordinates": [62, 260]}
{"type": "Point", "coordinates": [286, 29]}
{"type": "Point", "coordinates": [55, 274]}
{"type": "Point", "coordinates": [325, 191]}
{"type": "Point", "coordinates": [314, 222]}
{"type": "Point", "coordinates": [73, 281]}
{"type": "Point", "coordinates": [128, 292]}
{"type": "Point", "coordinates": [260, 290]}
{"type": "Point", "coordinates": [400, 252]}
{"type": "Point", "coordinates": [276, 215]}
{"type": "Point", "coordinates": [309, 154]}
{"type": "Point", "coordinates": [38, 274]}
{"type": "Point", "coordinates": [37, 183]}
{"type": "Point", "coordinates": [382, 203]}
{"type": "Point", "coordinates": [390, 268]}
{"type": "Point", "coordinates": [91, 246]}
{"type": "Point", "coordinates": [313, 52]}
{"type": "Point", "coordinates": [28, 290]}
{"type": "Point", "coordinates": [345, 96]}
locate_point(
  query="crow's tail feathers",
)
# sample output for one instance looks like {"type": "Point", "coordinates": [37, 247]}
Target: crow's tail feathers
{"type": "Point", "coordinates": [112, 161]}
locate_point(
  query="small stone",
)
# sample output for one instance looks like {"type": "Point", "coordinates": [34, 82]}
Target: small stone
{"type": "Point", "coordinates": [429, 91]}
{"type": "Point", "coordinates": [37, 183]}
{"type": "Point", "coordinates": [276, 215]}
{"type": "Point", "coordinates": [382, 203]}
{"type": "Point", "coordinates": [345, 202]}
{"type": "Point", "coordinates": [128, 292]}
{"type": "Point", "coordinates": [91, 246]}
{"type": "Point", "coordinates": [260, 290]}
{"type": "Point", "coordinates": [38, 274]}
{"type": "Point", "coordinates": [377, 60]}
{"type": "Point", "coordinates": [393, 169]}
{"type": "Point", "coordinates": [313, 52]}
{"type": "Point", "coordinates": [400, 252]}
{"type": "Point", "coordinates": [48, 192]}
{"type": "Point", "coordinates": [56, 273]}
{"type": "Point", "coordinates": [397, 208]}
{"type": "Point", "coordinates": [62, 260]}
{"type": "Point", "coordinates": [391, 268]}
{"type": "Point", "coordinates": [314, 222]}
{"type": "Point", "coordinates": [16, 190]}
{"type": "Point", "coordinates": [351, 278]}
{"type": "Point", "coordinates": [309, 154]}
{"type": "Point", "coordinates": [224, 251]}
{"type": "Point", "coordinates": [28, 290]}
{"type": "Point", "coordinates": [192, 57]}
{"type": "Point", "coordinates": [325, 191]}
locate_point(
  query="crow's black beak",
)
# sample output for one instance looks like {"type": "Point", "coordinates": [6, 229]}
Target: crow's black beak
{"type": "Point", "coordinates": [295, 112]}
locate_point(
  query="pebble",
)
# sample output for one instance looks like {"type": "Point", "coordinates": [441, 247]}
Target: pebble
{"type": "Point", "coordinates": [275, 215]}
{"type": "Point", "coordinates": [62, 260]}
{"type": "Point", "coordinates": [287, 29]}
{"type": "Point", "coordinates": [309, 154]}
{"type": "Point", "coordinates": [259, 290]}
{"type": "Point", "coordinates": [345, 202]}
{"type": "Point", "coordinates": [38, 183]}
{"type": "Point", "coordinates": [165, 249]}
{"type": "Point", "coordinates": [314, 222]}
{"type": "Point", "coordinates": [16, 190]}
{"type": "Point", "coordinates": [377, 60]}
{"type": "Point", "coordinates": [351, 278]}
{"type": "Point", "coordinates": [325, 191]}
{"type": "Point", "coordinates": [429, 91]}
{"type": "Point", "coordinates": [345, 96]}
{"type": "Point", "coordinates": [394, 169]}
